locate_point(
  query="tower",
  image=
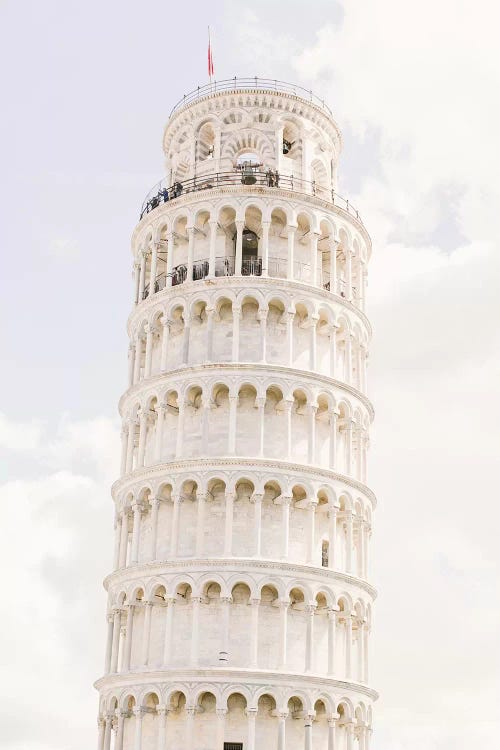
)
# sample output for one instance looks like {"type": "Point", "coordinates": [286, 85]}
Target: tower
{"type": "Point", "coordinates": [239, 605]}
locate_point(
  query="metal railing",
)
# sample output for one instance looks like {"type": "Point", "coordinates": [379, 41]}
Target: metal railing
{"type": "Point", "coordinates": [249, 84]}
{"type": "Point", "coordinates": [163, 193]}
{"type": "Point", "coordinates": [252, 266]}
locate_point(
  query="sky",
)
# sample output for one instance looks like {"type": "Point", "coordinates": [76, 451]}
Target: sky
{"type": "Point", "coordinates": [87, 88]}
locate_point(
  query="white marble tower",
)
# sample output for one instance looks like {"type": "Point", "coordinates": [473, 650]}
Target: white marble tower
{"type": "Point", "coordinates": [239, 606]}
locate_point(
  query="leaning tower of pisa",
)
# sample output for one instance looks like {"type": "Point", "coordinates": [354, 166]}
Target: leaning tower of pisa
{"type": "Point", "coordinates": [239, 604]}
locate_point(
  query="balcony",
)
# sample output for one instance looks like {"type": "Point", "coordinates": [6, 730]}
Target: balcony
{"type": "Point", "coordinates": [224, 266]}
{"type": "Point", "coordinates": [248, 176]}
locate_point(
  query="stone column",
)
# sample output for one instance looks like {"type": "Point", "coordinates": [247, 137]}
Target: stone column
{"type": "Point", "coordinates": [261, 405]}
{"type": "Point", "coordinates": [224, 651]}
{"type": "Point", "coordinates": [185, 339]}
{"type": "Point", "coordinates": [291, 242]}
{"type": "Point", "coordinates": [160, 419]}
{"type": "Point", "coordinates": [213, 240]}
{"type": "Point", "coordinates": [349, 728]}
{"type": "Point", "coordinates": [228, 529]}
{"type": "Point", "coordinates": [200, 523]}
{"type": "Point", "coordinates": [136, 532]}
{"type": "Point", "coordinates": [361, 646]}
{"type": "Point", "coordinates": [221, 726]}
{"type": "Point", "coordinates": [177, 500]}
{"type": "Point", "coordinates": [118, 534]}
{"type": "Point", "coordinates": [143, 426]}
{"type": "Point", "coordinates": [265, 248]}
{"type": "Point", "coordinates": [310, 610]}
{"type": "Point", "coordinates": [142, 274]}
{"type": "Point", "coordinates": [155, 506]}
{"type": "Point", "coordinates": [288, 405]}
{"type": "Point", "coordinates": [348, 446]}
{"type": "Point", "coordinates": [311, 443]}
{"type": "Point", "coordinates": [254, 633]}
{"type": "Point", "coordinates": [311, 511]}
{"type": "Point", "coordinates": [127, 651]}
{"type": "Point", "coordinates": [169, 621]}
{"type": "Point", "coordinates": [164, 344]}
{"type": "Point", "coordinates": [332, 621]}
{"type": "Point", "coordinates": [348, 542]}
{"type": "Point", "coordinates": [289, 337]}
{"type": "Point", "coordinates": [191, 711]}
{"type": "Point", "coordinates": [179, 443]}
{"type": "Point", "coordinates": [263, 334]}
{"type": "Point", "coordinates": [314, 259]}
{"type": "Point", "coordinates": [170, 258]}
{"type": "Point", "coordinates": [233, 403]}
{"type": "Point", "coordinates": [333, 439]}
{"type": "Point", "coordinates": [154, 263]}
{"type": "Point", "coordinates": [239, 247]}
{"type": "Point", "coordinates": [130, 445]}
{"type": "Point", "coordinates": [333, 351]}
{"type": "Point", "coordinates": [283, 634]}
{"type": "Point", "coordinates": [363, 534]}
{"type": "Point", "coordinates": [333, 266]}
{"type": "Point", "coordinates": [236, 334]}
{"type": "Point", "coordinates": [131, 363]}
{"type": "Point", "coordinates": [210, 332]}
{"type": "Point", "coordinates": [149, 350]}
{"type": "Point", "coordinates": [137, 277]}
{"type": "Point", "coordinates": [117, 615]}
{"type": "Point", "coordinates": [190, 231]}
{"type": "Point", "coordinates": [308, 721]}
{"type": "Point", "coordinates": [119, 730]}
{"type": "Point", "coordinates": [331, 733]}
{"type": "Point", "coordinates": [348, 274]}
{"type": "Point", "coordinates": [124, 444]}
{"type": "Point", "coordinates": [195, 630]}
{"type": "Point", "coordinates": [162, 712]}
{"type": "Point", "coordinates": [366, 636]}
{"type": "Point", "coordinates": [332, 536]}
{"type": "Point", "coordinates": [138, 728]}
{"type": "Point", "coordinates": [348, 646]}
{"type": "Point", "coordinates": [101, 724]}
{"type": "Point", "coordinates": [281, 730]}
{"type": "Point", "coordinates": [109, 642]}
{"type": "Point", "coordinates": [123, 540]}
{"type": "Point", "coordinates": [285, 525]}
{"type": "Point", "coordinates": [107, 732]}
{"type": "Point", "coordinates": [348, 358]}
{"type": "Point", "coordinates": [257, 522]}
{"type": "Point", "coordinates": [137, 358]}
{"type": "Point", "coordinates": [314, 338]}
{"type": "Point", "coordinates": [251, 715]}
{"type": "Point", "coordinates": [146, 633]}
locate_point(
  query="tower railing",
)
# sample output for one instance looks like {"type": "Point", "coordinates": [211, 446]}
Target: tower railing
{"type": "Point", "coordinates": [162, 192]}
{"type": "Point", "coordinates": [249, 84]}
{"type": "Point", "coordinates": [250, 266]}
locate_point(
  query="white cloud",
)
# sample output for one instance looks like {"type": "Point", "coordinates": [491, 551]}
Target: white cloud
{"type": "Point", "coordinates": [421, 78]}
{"type": "Point", "coordinates": [57, 530]}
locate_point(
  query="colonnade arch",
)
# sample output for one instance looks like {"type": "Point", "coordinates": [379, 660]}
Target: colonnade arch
{"type": "Point", "coordinates": [207, 241]}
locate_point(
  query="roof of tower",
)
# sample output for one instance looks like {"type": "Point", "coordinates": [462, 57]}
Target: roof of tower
{"type": "Point", "coordinates": [294, 100]}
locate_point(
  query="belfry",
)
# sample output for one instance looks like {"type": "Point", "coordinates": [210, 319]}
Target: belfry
{"type": "Point", "coordinates": [239, 604]}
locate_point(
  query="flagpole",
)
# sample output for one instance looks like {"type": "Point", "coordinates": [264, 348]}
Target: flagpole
{"type": "Point", "coordinates": [209, 58]}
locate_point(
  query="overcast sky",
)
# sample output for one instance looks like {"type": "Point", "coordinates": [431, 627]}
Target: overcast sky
{"type": "Point", "coordinates": [87, 88]}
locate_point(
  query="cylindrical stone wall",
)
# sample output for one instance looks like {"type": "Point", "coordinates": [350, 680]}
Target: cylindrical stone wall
{"type": "Point", "coordinates": [240, 605]}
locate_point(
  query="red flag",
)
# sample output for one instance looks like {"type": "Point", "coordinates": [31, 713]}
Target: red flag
{"type": "Point", "coordinates": [210, 57]}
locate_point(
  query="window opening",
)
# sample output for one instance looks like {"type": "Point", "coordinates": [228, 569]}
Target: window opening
{"type": "Point", "coordinates": [324, 554]}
